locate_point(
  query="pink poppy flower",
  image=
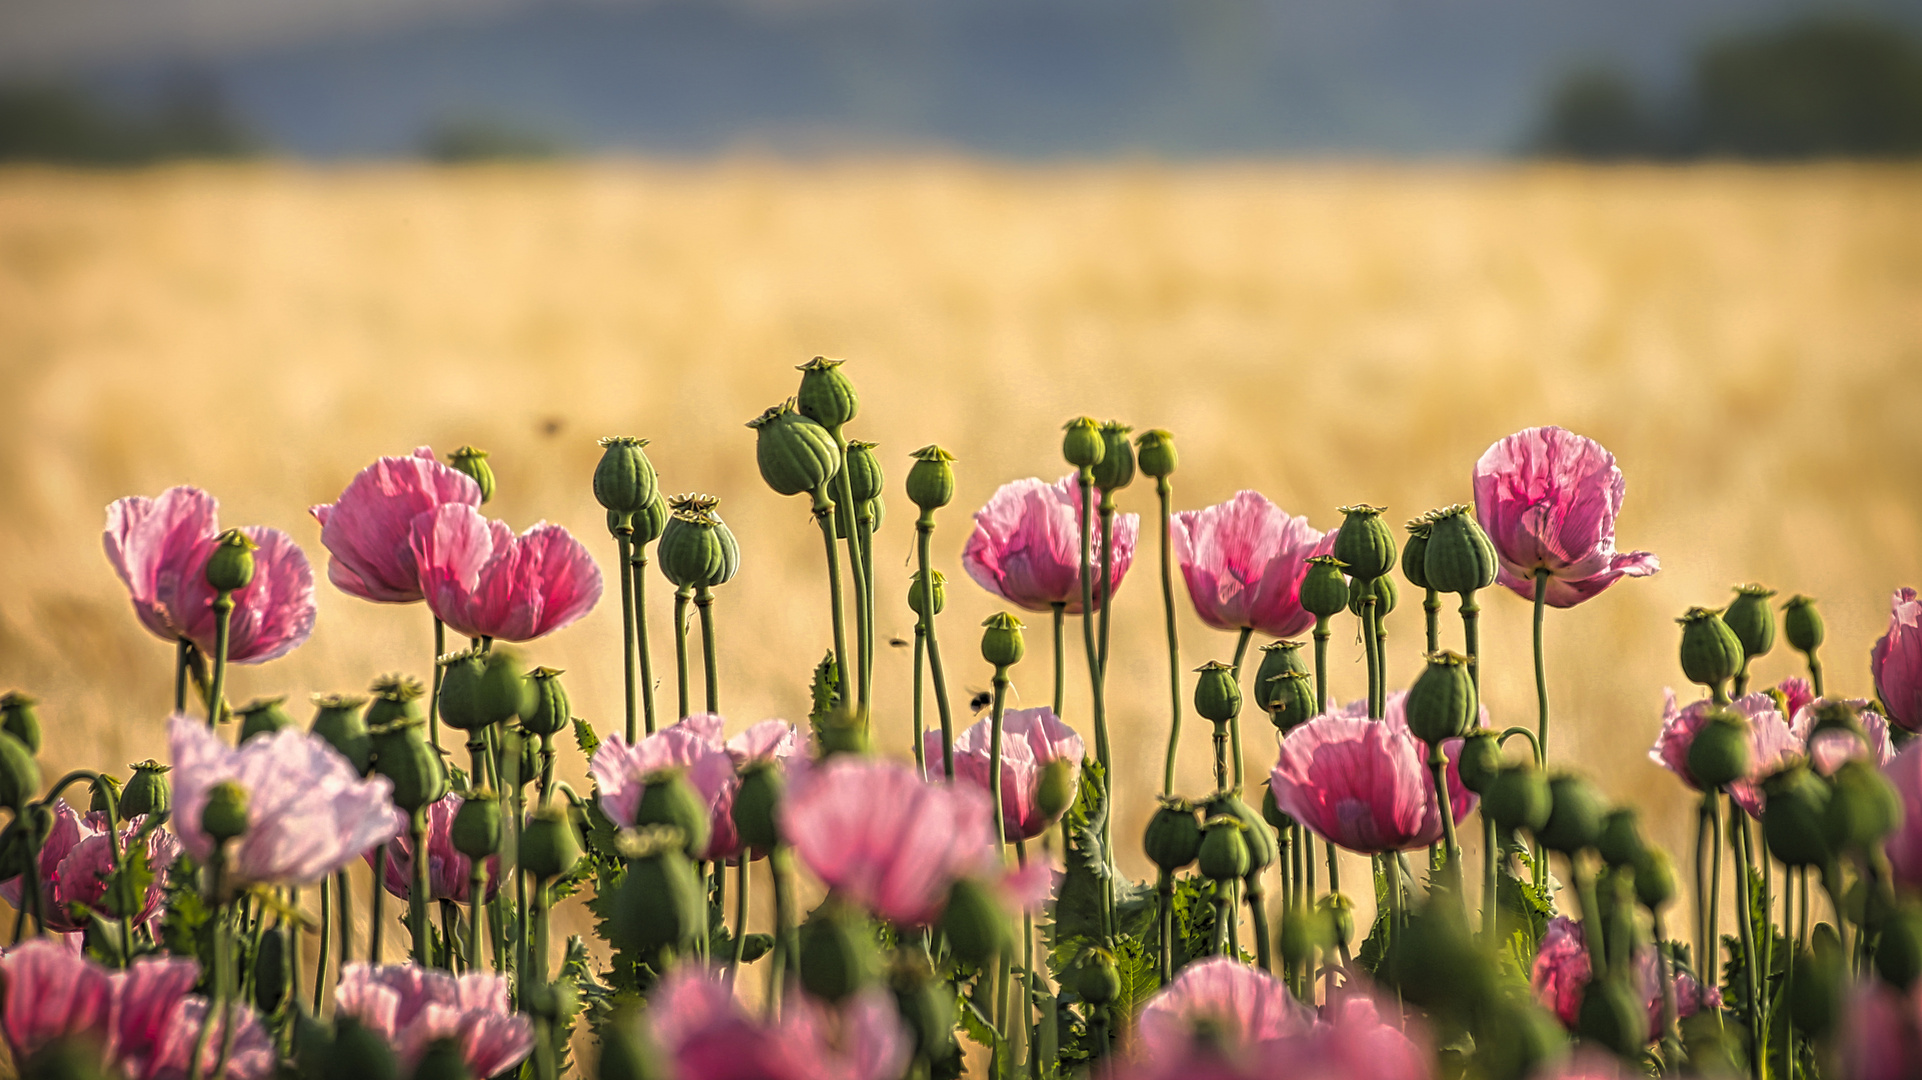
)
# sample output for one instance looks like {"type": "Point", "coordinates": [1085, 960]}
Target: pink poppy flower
{"type": "Point", "coordinates": [413, 1007]}
{"type": "Point", "coordinates": [1222, 1019]}
{"type": "Point", "coordinates": [1881, 1036]}
{"type": "Point", "coordinates": [694, 746]}
{"type": "Point", "coordinates": [1561, 975]}
{"type": "Point", "coordinates": [308, 812]}
{"type": "Point", "coordinates": [772, 740]}
{"type": "Point", "coordinates": [75, 862]}
{"type": "Point", "coordinates": [52, 992]}
{"type": "Point", "coordinates": [1548, 499]}
{"type": "Point", "coordinates": [1796, 693]}
{"type": "Point", "coordinates": [1242, 1007]}
{"type": "Point", "coordinates": [448, 871]}
{"type": "Point", "coordinates": [1770, 743]}
{"type": "Point", "coordinates": [899, 864]}
{"type": "Point", "coordinates": [1827, 750]}
{"type": "Point", "coordinates": [1590, 1064]}
{"type": "Point", "coordinates": [369, 529]}
{"type": "Point", "coordinates": [1243, 561]}
{"type": "Point", "coordinates": [159, 547]}
{"type": "Point", "coordinates": [1360, 1037]}
{"type": "Point", "coordinates": [1905, 846]}
{"type": "Point", "coordinates": [698, 1025]}
{"type": "Point", "coordinates": [1031, 739]}
{"type": "Point", "coordinates": [483, 581]}
{"type": "Point", "coordinates": [1896, 661]}
{"type": "Point", "coordinates": [1026, 545]}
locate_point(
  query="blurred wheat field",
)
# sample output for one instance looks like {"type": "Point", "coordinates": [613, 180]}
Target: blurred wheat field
{"type": "Point", "coordinates": [1747, 341]}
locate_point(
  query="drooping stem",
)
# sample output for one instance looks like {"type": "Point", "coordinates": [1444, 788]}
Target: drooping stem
{"type": "Point", "coordinates": [1165, 491]}
{"type": "Point", "coordinates": [374, 927]}
{"type": "Point", "coordinates": [740, 919]}
{"type": "Point", "coordinates": [923, 536]}
{"type": "Point", "coordinates": [1431, 618]}
{"type": "Point", "coordinates": [637, 573]}
{"type": "Point", "coordinates": [417, 894]}
{"type": "Point", "coordinates": [1060, 657]}
{"type": "Point", "coordinates": [1234, 722]}
{"type": "Point", "coordinates": [1541, 671]}
{"type": "Point", "coordinates": [824, 515]}
{"type": "Point", "coordinates": [681, 598]}
{"type": "Point", "coordinates": [624, 539]}
{"type": "Point", "coordinates": [704, 603]}
{"type": "Point", "coordinates": [223, 622]}
{"type": "Point", "coordinates": [994, 759]}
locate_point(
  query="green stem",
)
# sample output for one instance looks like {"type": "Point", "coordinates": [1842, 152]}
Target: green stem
{"type": "Point", "coordinates": [1060, 657]}
{"type": "Point", "coordinates": [1491, 879]}
{"type": "Point", "coordinates": [1438, 765]}
{"type": "Point", "coordinates": [1322, 634]}
{"type": "Point", "coordinates": [1369, 644]}
{"type": "Point", "coordinates": [344, 916]}
{"type": "Point", "coordinates": [681, 598]}
{"type": "Point", "coordinates": [844, 487]}
{"type": "Point", "coordinates": [1165, 901]}
{"type": "Point", "coordinates": [216, 866]}
{"type": "Point", "coordinates": [374, 925]}
{"type": "Point", "coordinates": [1671, 1035]}
{"type": "Point", "coordinates": [1431, 618]}
{"type": "Point", "coordinates": [624, 539]}
{"type": "Point", "coordinates": [417, 895]}
{"type": "Point", "coordinates": [824, 515]}
{"type": "Point", "coordinates": [1541, 670]}
{"type": "Point", "coordinates": [1815, 673]}
{"type": "Point", "coordinates": [1224, 898]}
{"type": "Point", "coordinates": [1234, 722]}
{"type": "Point", "coordinates": [923, 536]}
{"type": "Point", "coordinates": [1591, 914]}
{"type": "Point", "coordinates": [223, 622]}
{"type": "Point", "coordinates": [326, 944]}
{"type": "Point", "coordinates": [1710, 958]}
{"type": "Point", "coordinates": [433, 700]}
{"type": "Point", "coordinates": [1027, 973]}
{"type": "Point", "coordinates": [183, 653]}
{"type": "Point", "coordinates": [784, 947]}
{"type": "Point", "coordinates": [1102, 752]}
{"type": "Point", "coordinates": [1221, 755]}
{"type": "Point", "coordinates": [994, 759]}
{"type": "Point", "coordinates": [1471, 611]}
{"type": "Point", "coordinates": [1165, 491]}
{"type": "Point", "coordinates": [920, 687]}
{"type": "Point", "coordinates": [704, 603]}
{"type": "Point", "coordinates": [740, 919]}
{"type": "Point", "coordinates": [1104, 585]}
{"type": "Point", "coordinates": [1702, 826]}
{"type": "Point", "coordinates": [1751, 956]}
{"type": "Point", "coordinates": [637, 573]}
{"type": "Point", "coordinates": [1258, 915]}
{"type": "Point", "coordinates": [864, 526]}
{"type": "Point", "coordinates": [476, 893]}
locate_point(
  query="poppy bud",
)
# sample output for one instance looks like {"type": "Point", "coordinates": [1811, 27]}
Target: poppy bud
{"type": "Point", "coordinates": [1654, 878]}
{"type": "Point", "coordinates": [838, 954]}
{"type": "Point", "coordinates": [926, 1005]}
{"type": "Point", "coordinates": [476, 831]}
{"type": "Point", "coordinates": [1116, 469]}
{"type": "Point", "coordinates": [1001, 643]}
{"type": "Point", "coordinates": [1056, 790]}
{"type": "Point", "coordinates": [231, 566]}
{"type": "Point", "coordinates": [338, 719]}
{"type": "Point", "coordinates": [1304, 930]}
{"type": "Point", "coordinates": [1082, 444]}
{"type": "Point", "coordinates": [1802, 624]}
{"type": "Point", "coordinates": [1364, 542]}
{"type": "Point", "coordinates": [396, 699]}
{"type": "Point", "coordinates": [628, 1052]}
{"type": "Point", "coordinates": [1262, 848]}
{"type": "Point", "coordinates": [1480, 760]}
{"type": "Point", "coordinates": [551, 711]}
{"type": "Point", "coordinates": [19, 773]}
{"type": "Point", "coordinates": [1436, 964]}
{"type": "Point", "coordinates": [148, 792]}
{"type": "Point", "coordinates": [1863, 809]}
{"type": "Point", "coordinates": [1792, 818]}
{"type": "Point", "coordinates": [550, 846]}
{"type": "Point", "coordinates": [756, 803]}
{"type": "Point", "coordinates": [827, 395]}
{"type": "Point", "coordinates": [1324, 591]}
{"type": "Point", "coordinates": [1621, 841]}
{"type": "Point", "coordinates": [1224, 854]}
{"type": "Point", "coordinates": [1711, 654]}
{"type": "Point", "coordinates": [224, 817]}
{"type": "Point", "coordinates": [1096, 980]}
{"type": "Point", "coordinates": [1155, 453]}
{"type": "Point", "coordinates": [931, 478]}
{"type": "Point", "coordinates": [1414, 553]}
{"type": "Point", "coordinates": [1442, 705]}
{"type": "Point", "coordinates": [1532, 1041]}
{"type": "Point", "coordinates": [270, 971]}
{"type": "Point", "coordinates": [263, 716]}
{"type": "Point", "coordinates": [1381, 588]}
{"type": "Point", "coordinates": [624, 481]}
{"type": "Point", "coordinates": [796, 455]}
{"type": "Point", "coordinates": [865, 478]}
{"type": "Point", "coordinates": [1719, 753]}
{"type": "Point", "coordinates": [471, 461]}
{"type": "Point", "coordinates": [1751, 619]}
{"type": "Point", "coordinates": [1173, 838]}
{"type": "Point", "coordinates": [1217, 694]}
{"type": "Point", "coordinates": [99, 790]}
{"type": "Point", "coordinates": [504, 692]}
{"type": "Point", "coordinates": [442, 1060]}
{"type": "Point", "coordinates": [1460, 558]}
{"type": "Point", "coordinates": [1291, 700]}
{"type": "Point", "coordinates": [940, 592]}
{"type": "Point", "coordinates": [460, 690]}
{"type": "Point", "coordinates": [974, 923]}
{"type": "Point", "coordinates": [1272, 813]}
{"type": "Point", "coordinates": [1898, 951]}
{"type": "Point", "coordinates": [1276, 657]}
{"type": "Point", "coordinates": [403, 756]}
{"type": "Point", "coordinates": [667, 798]}
{"type": "Point", "coordinates": [1574, 816]}
{"type": "Point", "coordinates": [1816, 982]}
{"type": "Point", "coordinates": [660, 901]}
{"type": "Point", "coordinates": [1519, 798]}
{"type": "Point", "coordinates": [1612, 1017]}
{"type": "Point", "coordinates": [20, 719]}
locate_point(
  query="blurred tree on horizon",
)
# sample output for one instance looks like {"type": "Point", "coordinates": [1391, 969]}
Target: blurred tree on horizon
{"type": "Point", "coordinates": [51, 122]}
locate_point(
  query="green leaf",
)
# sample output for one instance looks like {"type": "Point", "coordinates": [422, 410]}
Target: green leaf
{"type": "Point", "coordinates": [824, 693]}
{"type": "Point", "coordinates": [585, 738]}
{"type": "Point", "coordinates": [974, 1022]}
{"type": "Point", "coordinates": [127, 887]}
{"type": "Point", "coordinates": [1135, 963]}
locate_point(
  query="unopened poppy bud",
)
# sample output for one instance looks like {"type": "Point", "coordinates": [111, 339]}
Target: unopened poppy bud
{"type": "Point", "coordinates": [403, 755]}
{"type": "Point", "coordinates": [796, 455]}
{"type": "Point", "coordinates": [916, 596]}
{"type": "Point", "coordinates": [442, 1060]}
{"type": "Point", "coordinates": [1276, 657]}
{"type": "Point", "coordinates": [396, 700]}
{"type": "Point", "coordinates": [1262, 849]}
{"type": "Point", "coordinates": [1621, 841]}
{"type": "Point", "coordinates": [865, 478]}
{"type": "Point", "coordinates": [224, 817]}
{"type": "Point", "coordinates": [1532, 1041]}
{"type": "Point", "coordinates": [471, 461]}
{"type": "Point", "coordinates": [476, 831]}
{"type": "Point", "coordinates": [359, 1052]}
{"type": "Point", "coordinates": [1460, 557]}
{"type": "Point", "coordinates": [628, 1050]}
{"type": "Point", "coordinates": [1519, 798]}
{"type": "Point", "coordinates": [1081, 442]}
{"type": "Point", "coordinates": [1792, 817]}
{"type": "Point", "coordinates": [756, 805]}
{"type": "Point", "coordinates": [504, 692]}
{"type": "Point", "coordinates": [98, 801]}
{"type": "Point", "coordinates": [263, 716]}
{"type": "Point", "coordinates": [1116, 469]}
{"type": "Point", "coordinates": [827, 395]}
{"type": "Point", "coordinates": [231, 566]}
{"type": "Point", "coordinates": [1291, 700]}
{"type": "Point", "coordinates": [1898, 952]}
{"type": "Point", "coordinates": [926, 1005]}
{"type": "Point", "coordinates": [1751, 619]}
{"type": "Point", "coordinates": [550, 846]}
{"type": "Point", "coordinates": [1324, 591]}
{"type": "Point", "coordinates": [1381, 588]}
{"type": "Point", "coordinates": [1574, 816]}
{"type": "Point", "coordinates": [1435, 962]}
{"type": "Point", "coordinates": [148, 791]}
{"type": "Point", "coordinates": [1272, 813]}
{"type": "Point", "coordinates": [460, 689]}
{"type": "Point", "coordinates": [1613, 1017]}
{"type": "Point", "coordinates": [1719, 753]}
{"type": "Point", "coordinates": [1155, 453]}
{"type": "Point", "coordinates": [624, 481]}
{"type": "Point", "coordinates": [20, 719]}
{"type": "Point", "coordinates": [1816, 981]}
{"type": "Point", "coordinates": [1001, 642]}
{"type": "Point", "coordinates": [1654, 879]}
{"type": "Point", "coordinates": [660, 902]}
{"type": "Point", "coordinates": [1480, 760]}
{"type": "Point", "coordinates": [1414, 553]}
{"type": "Point", "coordinates": [1341, 915]}
{"type": "Point", "coordinates": [1711, 653]}
{"type": "Point", "coordinates": [1802, 624]}
{"type": "Point", "coordinates": [1364, 542]}
{"type": "Point", "coordinates": [1224, 854]}
{"type": "Point", "coordinates": [974, 923]}
{"type": "Point", "coordinates": [19, 773]}
{"type": "Point", "coordinates": [1442, 704]}
{"type": "Point", "coordinates": [931, 478]}
{"type": "Point", "coordinates": [1055, 791]}
{"type": "Point", "coordinates": [551, 712]}
{"type": "Point", "coordinates": [339, 720]}
{"type": "Point", "coordinates": [1863, 809]}
{"type": "Point", "coordinates": [1096, 980]}
{"type": "Point", "coordinates": [1217, 694]}
{"type": "Point", "coordinates": [1173, 838]}
{"type": "Point", "coordinates": [270, 971]}
{"type": "Point", "coordinates": [838, 954]}
{"type": "Point", "coordinates": [667, 798]}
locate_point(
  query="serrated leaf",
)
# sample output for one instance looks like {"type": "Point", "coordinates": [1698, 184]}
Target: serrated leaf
{"type": "Point", "coordinates": [585, 738]}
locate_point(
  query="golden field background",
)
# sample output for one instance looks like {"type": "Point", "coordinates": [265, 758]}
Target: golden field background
{"type": "Point", "coordinates": [1747, 341]}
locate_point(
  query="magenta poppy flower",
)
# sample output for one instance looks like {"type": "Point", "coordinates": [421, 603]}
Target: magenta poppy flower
{"type": "Point", "coordinates": [159, 547]}
{"type": "Point", "coordinates": [413, 1007]}
{"type": "Point", "coordinates": [1031, 739]}
{"type": "Point", "coordinates": [448, 871]}
{"type": "Point", "coordinates": [309, 813]}
{"type": "Point", "coordinates": [1243, 562]}
{"type": "Point", "coordinates": [75, 861]}
{"type": "Point", "coordinates": [1362, 1038]}
{"type": "Point", "coordinates": [483, 581]}
{"type": "Point", "coordinates": [368, 531]}
{"type": "Point", "coordinates": [1793, 695]}
{"type": "Point", "coordinates": [1548, 498]}
{"type": "Point", "coordinates": [1561, 973]}
{"type": "Point", "coordinates": [700, 1028]}
{"type": "Point", "coordinates": [1771, 743]}
{"type": "Point", "coordinates": [1905, 847]}
{"type": "Point", "coordinates": [694, 746]}
{"type": "Point", "coordinates": [1026, 545]}
{"type": "Point", "coordinates": [899, 864]}
{"type": "Point", "coordinates": [52, 992]}
{"type": "Point", "coordinates": [1896, 661]}
{"type": "Point", "coordinates": [1243, 1007]}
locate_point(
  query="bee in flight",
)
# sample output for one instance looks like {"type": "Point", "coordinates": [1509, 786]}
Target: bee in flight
{"type": "Point", "coordinates": [899, 642]}
{"type": "Point", "coordinates": [981, 700]}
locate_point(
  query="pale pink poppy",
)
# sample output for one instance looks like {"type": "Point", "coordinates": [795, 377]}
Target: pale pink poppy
{"type": "Point", "coordinates": [706, 1034]}
{"type": "Point", "coordinates": [1771, 743]}
{"type": "Point", "coordinates": [1881, 1036]}
{"type": "Point", "coordinates": [1242, 1006]}
{"type": "Point", "coordinates": [1026, 545]}
{"type": "Point", "coordinates": [1905, 846]}
{"type": "Point", "coordinates": [1561, 972]}
{"type": "Point", "coordinates": [368, 530]}
{"type": "Point", "coordinates": [413, 1007]}
{"type": "Point", "coordinates": [1548, 498]}
{"type": "Point", "coordinates": [52, 992]}
{"type": "Point", "coordinates": [1362, 1037]}
{"type": "Point", "coordinates": [75, 861]}
{"type": "Point", "coordinates": [693, 746]}
{"type": "Point", "coordinates": [449, 873]}
{"type": "Point", "coordinates": [159, 547]}
{"type": "Point", "coordinates": [1827, 750]}
{"type": "Point", "coordinates": [1896, 661]}
{"type": "Point", "coordinates": [483, 581]}
{"type": "Point", "coordinates": [1243, 561]}
{"type": "Point", "coordinates": [1030, 740]}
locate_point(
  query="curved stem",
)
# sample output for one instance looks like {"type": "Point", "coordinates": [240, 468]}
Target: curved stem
{"type": "Point", "coordinates": [326, 945]}
{"type": "Point", "coordinates": [1438, 765]}
{"type": "Point", "coordinates": [681, 598]}
{"type": "Point", "coordinates": [1166, 493]}
{"type": "Point", "coordinates": [223, 623]}
{"type": "Point", "coordinates": [704, 603]}
{"type": "Point", "coordinates": [923, 537]}
{"type": "Point", "coordinates": [1541, 670]}
{"type": "Point", "coordinates": [824, 515]}
{"type": "Point", "coordinates": [1815, 673]}
{"type": "Point", "coordinates": [637, 573]}
{"type": "Point", "coordinates": [1234, 722]}
{"type": "Point", "coordinates": [624, 540]}
{"type": "Point", "coordinates": [1060, 657]}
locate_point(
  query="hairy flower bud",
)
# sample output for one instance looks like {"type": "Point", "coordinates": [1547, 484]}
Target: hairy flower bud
{"type": "Point", "coordinates": [624, 480]}
{"type": "Point", "coordinates": [796, 455]}
{"type": "Point", "coordinates": [231, 566]}
{"type": "Point", "coordinates": [1364, 543]}
{"type": "Point", "coordinates": [1751, 619]}
{"type": "Point", "coordinates": [550, 846]}
{"type": "Point", "coordinates": [1792, 818]}
{"type": "Point", "coordinates": [1460, 558]}
{"type": "Point", "coordinates": [1217, 694]}
{"type": "Point", "coordinates": [827, 395]}
{"type": "Point", "coordinates": [471, 461]}
{"type": "Point", "coordinates": [1224, 854]}
{"type": "Point", "coordinates": [669, 799]}
{"type": "Point", "coordinates": [1173, 838]}
{"type": "Point", "coordinates": [1442, 704]}
{"type": "Point", "coordinates": [339, 720]}
{"type": "Point", "coordinates": [403, 756]}
{"type": "Point", "coordinates": [1290, 700]}
{"type": "Point", "coordinates": [20, 719]}
{"type": "Point", "coordinates": [1001, 642]}
{"type": "Point", "coordinates": [263, 716]}
{"type": "Point", "coordinates": [1719, 754]}
{"type": "Point", "coordinates": [148, 791]}
{"type": "Point", "coordinates": [757, 803]}
{"type": "Point", "coordinates": [1324, 591]}
{"type": "Point", "coordinates": [1519, 798]}
{"type": "Point", "coordinates": [476, 831]}
{"type": "Point", "coordinates": [225, 815]}
{"type": "Point", "coordinates": [19, 773]}
{"type": "Point", "coordinates": [1116, 469]}
{"type": "Point", "coordinates": [1621, 841]}
{"type": "Point", "coordinates": [551, 713]}
{"type": "Point", "coordinates": [1155, 453]}
{"type": "Point", "coordinates": [838, 954]}
{"type": "Point", "coordinates": [931, 478]}
{"type": "Point", "coordinates": [1096, 980]}
{"type": "Point", "coordinates": [1480, 760]}
{"type": "Point", "coordinates": [1802, 624]}
{"type": "Point", "coordinates": [1711, 653]}
{"type": "Point", "coordinates": [1574, 816]}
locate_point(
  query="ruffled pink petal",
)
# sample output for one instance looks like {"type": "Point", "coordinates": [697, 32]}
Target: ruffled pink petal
{"type": "Point", "coordinates": [157, 544]}
{"type": "Point", "coordinates": [692, 745]}
{"type": "Point", "coordinates": [1246, 1005]}
{"type": "Point", "coordinates": [51, 992]}
{"type": "Point", "coordinates": [367, 530]}
{"type": "Point", "coordinates": [483, 581]}
{"type": "Point", "coordinates": [1548, 499]}
{"type": "Point", "coordinates": [1026, 545]}
{"type": "Point", "coordinates": [1771, 743]}
{"type": "Point", "coordinates": [448, 871]}
{"type": "Point", "coordinates": [144, 999]}
{"type": "Point", "coordinates": [1243, 562]}
{"type": "Point", "coordinates": [1364, 784]}
{"type": "Point", "coordinates": [412, 1007]}
{"type": "Point", "coordinates": [252, 1057]}
{"type": "Point", "coordinates": [1896, 662]}
{"type": "Point", "coordinates": [1905, 847]}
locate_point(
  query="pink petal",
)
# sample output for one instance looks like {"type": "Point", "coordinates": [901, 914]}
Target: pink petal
{"type": "Point", "coordinates": [367, 531]}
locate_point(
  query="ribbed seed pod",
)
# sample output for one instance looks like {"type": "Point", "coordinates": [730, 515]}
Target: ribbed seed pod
{"type": "Point", "coordinates": [865, 477]}
{"type": "Point", "coordinates": [1711, 653]}
{"type": "Point", "coordinates": [1442, 703]}
{"type": "Point", "coordinates": [1364, 542]}
{"type": "Point", "coordinates": [1324, 591]}
{"type": "Point", "coordinates": [1155, 453]}
{"type": "Point", "coordinates": [148, 791]}
{"type": "Point", "coordinates": [1173, 838]}
{"type": "Point", "coordinates": [669, 799]}
{"type": "Point", "coordinates": [1217, 694]}
{"type": "Point", "coordinates": [1802, 624]}
{"type": "Point", "coordinates": [1751, 619]}
{"type": "Point", "coordinates": [1291, 700]}
{"type": "Point", "coordinates": [339, 720]}
{"type": "Point", "coordinates": [552, 711]}
{"type": "Point", "coordinates": [1116, 469]}
{"type": "Point", "coordinates": [1414, 553]}
{"type": "Point", "coordinates": [231, 566]}
{"type": "Point", "coordinates": [827, 395]}
{"type": "Point", "coordinates": [931, 478]}
{"type": "Point", "coordinates": [1460, 558]}
{"type": "Point", "coordinates": [1574, 816]}
{"type": "Point", "coordinates": [1001, 641]}
{"type": "Point", "coordinates": [471, 461]}
{"type": "Point", "coordinates": [624, 480]}
{"type": "Point", "coordinates": [796, 455]}
{"type": "Point", "coordinates": [263, 716]}
{"type": "Point", "coordinates": [1081, 442]}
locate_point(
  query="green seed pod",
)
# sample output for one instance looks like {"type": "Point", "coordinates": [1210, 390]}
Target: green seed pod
{"type": "Point", "coordinates": [1621, 841]}
{"type": "Point", "coordinates": [339, 720]}
{"type": "Point", "coordinates": [550, 846]}
{"type": "Point", "coordinates": [270, 972]}
{"type": "Point", "coordinates": [1055, 792]}
{"type": "Point", "coordinates": [1751, 619]}
{"type": "Point", "coordinates": [1437, 965]}
{"type": "Point", "coordinates": [1612, 1017]}
{"type": "Point", "coordinates": [974, 923]}
{"type": "Point", "coordinates": [1217, 694]}
{"type": "Point", "coordinates": [1381, 588]}
{"type": "Point", "coordinates": [668, 798]}
{"type": "Point", "coordinates": [69, 1057]}
{"type": "Point", "coordinates": [1719, 754]}
{"type": "Point", "coordinates": [505, 693]}
{"type": "Point", "coordinates": [20, 719]}
{"type": "Point", "coordinates": [926, 1005]}
{"type": "Point", "coordinates": [931, 478]}
{"type": "Point", "coordinates": [1898, 951]}
{"type": "Point", "coordinates": [1272, 813]}
{"type": "Point", "coordinates": [19, 773]}
{"type": "Point", "coordinates": [1224, 854]}
{"type": "Point", "coordinates": [660, 902]}
{"type": "Point", "coordinates": [471, 461]}
{"type": "Point", "coordinates": [940, 592]}
{"type": "Point", "coordinates": [1001, 643]}
{"type": "Point", "coordinates": [396, 700]}
{"type": "Point", "coordinates": [1575, 815]}
{"type": "Point", "coordinates": [650, 521]}
{"type": "Point", "coordinates": [1711, 653]}
{"type": "Point", "coordinates": [1277, 657]}
{"type": "Point", "coordinates": [1341, 916]}
{"type": "Point", "coordinates": [691, 552]}
{"type": "Point", "coordinates": [796, 455]}
{"type": "Point", "coordinates": [148, 792]}
{"type": "Point", "coordinates": [359, 1053]}
{"type": "Point", "coordinates": [1863, 809]}
{"type": "Point", "coordinates": [865, 477]}
{"type": "Point", "coordinates": [460, 691]}
{"type": "Point", "coordinates": [1082, 444]}
{"type": "Point", "coordinates": [1654, 879]}
{"type": "Point", "coordinates": [97, 802]}
{"type": "Point", "coordinates": [403, 756]}
{"type": "Point", "coordinates": [1460, 558]}
{"type": "Point", "coordinates": [225, 815]}
{"type": "Point", "coordinates": [1481, 760]}
{"type": "Point", "coordinates": [1291, 700]}
{"type": "Point", "coordinates": [1817, 982]}
{"type": "Point", "coordinates": [1155, 453]}
{"type": "Point", "coordinates": [1802, 624]}
{"type": "Point", "coordinates": [1324, 591]}
{"type": "Point", "coordinates": [1116, 469]}
{"type": "Point", "coordinates": [231, 566]}
{"type": "Point", "coordinates": [1519, 798]}
{"type": "Point", "coordinates": [442, 1060]}
{"type": "Point", "coordinates": [263, 716]}
{"type": "Point", "coordinates": [1303, 931]}
{"type": "Point", "coordinates": [1364, 542]}
{"type": "Point", "coordinates": [624, 481]}
{"type": "Point", "coordinates": [1793, 817]}
{"type": "Point", "coordinates": [1442, 704]}
{"type": "Point", "coordinates": [476, 831]}
{"type": "Point", "coordinates": [755, 805]}
{"type": "Point", "coordinates": [1414, 553]}
{"type": "Point", "coordinates": [1173, 838]}
{"type": "Point", "coordinates": [839, 957]}
{"type": "Point", "coordinates": [551, 713]}
{"type": "Point", "coordinates": [827, 395]}
{"type": "Point", "coordinates": [1262, 847]}
{"type": "Point", "coordinates": [628, 1052]}
{"type": "Point", "coordinates": [1096, 980]}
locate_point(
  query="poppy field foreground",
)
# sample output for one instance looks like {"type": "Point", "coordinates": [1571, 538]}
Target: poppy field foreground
{"type": "Point", "coordinates": [949, 893]}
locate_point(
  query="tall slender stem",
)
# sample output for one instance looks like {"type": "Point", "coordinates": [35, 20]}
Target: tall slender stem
{"type": "Point", "coordinates": [864, 526]}
{"type": "Point", "coordinates": [704, 603]}
{"type": "Point", "coordinates": [1541, 670]}
{"type": "Point", "coordinates": [740, 919]}
{"type": "Point", "coordinates": [624, 539]}
{"type": "Point", "coordinates": [1234, 722]}
{"type": "Point", "coordinates": [1438, 765]}
{"type": "Point", "coordinates": [1751, 956]}
{"type": "Point", "coordinates": [824, 515]}
{"type": "Point", "coordinates": [1027, 973]}
{"type": "Point", "coordinates": [920, 687]}
{"type": "Point", "coordinates": [1431, 618]}
{"type": "Point", "coordinates": [1104, 585]}
{"type": "Point", "coordinates": [844, 489]}
{"type": "Point", "coordinates": [374, 926]}
{"type": "Point", "coordinates": [1165, 491]}
{"type": "Point", "coordinates": [433, 699]}
{"type": "Point", "coordinates": [1471, 611]}
{"type": "Point", "coordinates": [223, 962]}
{"type": "Point", "coordinates": [1712, 954]}
{"type": "Point", "coordinates": [1491, 879]}
{"type": "Point", "coordinates": [1060, 657]}
{"type": "Point", "coordinates": [777, 862]}
{"type": "Point", "coordinates": [994, 759]}
{"type": "Point", "coordinates": [637, 574]}
{"type": "Point", "coordinates": [681, 598]}
{"type": "Point", "coordinates": [223, 622]}
{"type": "Point", "coordinates": [476, 893]}
{"type": "Point", "coordinates": [1322, 634]}
{"type": "Point", "coordinates": [1258, 917]}
{"type": "Point", "coordinates": [1165, 900]}
{"type": "Point", "coordinates": [1702, 827]}
{"type": "Point", "coordinates": [1371, 648]}
{"type": "Point", "coordinates": [344, 915]}
{"type": "Point", "coordinates": [183, 652]}
{"type": "Point", "coordinates": [1815, 673]}
{"type": "Point", "coordinates": [1102, 752]}
{"type": "Point", "coordinates": [1221, 755]}
{"type": "Point", "coordinates": [326, 945]}
{"type": "Point", "coordinates": [417, 894]}
{"type": "Point", "coordinates": [923, 538]}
